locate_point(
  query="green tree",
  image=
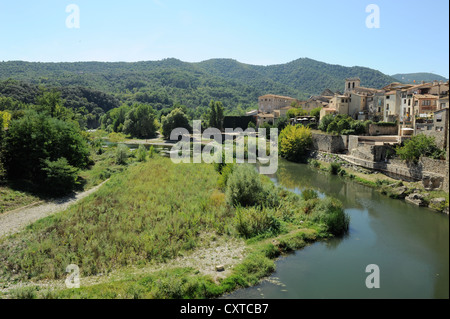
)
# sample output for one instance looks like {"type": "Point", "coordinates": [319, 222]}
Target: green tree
{"type": "Point", "coordinates": [141, 122]}
{"type": "Point", "coordinates": [36, 137]}
{"type": "Point", "coordinates": [333, 127]}
{"type": "Point", "coordinates": [176, 119]}
{"type": "Point", "coordinates": [282, 123]}
{"type": "Point", "coordinates": [60, 177]}
{"type": "Point", "coordinates": [294, 112]}
{"type": "Point", "coordinates": [294, 142]}
{"type": "Point", "coordinates": [316, 113]}
{"type": "Point", "coordinates": [216, 114]}
{"type": "Point", "coordinates": [51, 103]}
{"type": "Point", "coordinates": [419, 145]}
{"type": "Point", "coordinates": [325, 121]}
{"type": "Point", "coordinates": [114, 120]}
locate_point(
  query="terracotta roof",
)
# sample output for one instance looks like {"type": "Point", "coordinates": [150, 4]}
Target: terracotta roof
{"type": "Point", "coordinates": [366, 90]}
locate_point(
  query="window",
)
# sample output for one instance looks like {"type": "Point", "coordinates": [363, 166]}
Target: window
{"type": "Point", "coordinates": [388, 97]}
{"type": "Point", "coordinates": [387, 107]}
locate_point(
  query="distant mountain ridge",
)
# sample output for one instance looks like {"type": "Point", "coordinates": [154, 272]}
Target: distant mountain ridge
{"type": "Point", "coordinates": [409, 78]}
{"type": "Point", "coordinates": [195, 84]}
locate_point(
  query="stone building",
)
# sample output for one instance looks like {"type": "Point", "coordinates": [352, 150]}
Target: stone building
{"type": "Point", "coordinates": [351, 84]}
{"type": "Point", "coordinates": [270, 102]}
{"type": "Point", "coordinates": [425, 104]}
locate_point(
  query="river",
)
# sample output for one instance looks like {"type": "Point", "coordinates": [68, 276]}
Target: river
{"type": "Point", "coordinates": [409, 244]}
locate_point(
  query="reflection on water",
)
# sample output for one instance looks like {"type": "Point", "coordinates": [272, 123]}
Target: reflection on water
{"type": "Point", "coordinates": [409, 244]}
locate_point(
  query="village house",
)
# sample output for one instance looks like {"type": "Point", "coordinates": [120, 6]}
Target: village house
{"type": "Point", "coordinates": [412, 106]}
{"type": "Point", "coordinates": [317, 101]}
{"type": "Point", "coordinates": [425, 104]}
{"type": "Point", "coordinates": [270, 102]}
{"type": "Point", "coordinates": [268, 118]}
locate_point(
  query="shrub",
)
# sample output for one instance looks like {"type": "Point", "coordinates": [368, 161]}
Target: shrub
{"type": "Point", "coordinates": [244, 187]}
{"type": "Point", "coordinates": [348, 132]}
{"type": "Point", "coordinates": [60, 177]}
{"type": "Point", "coordinates": [308, 194]}
{"type": "Point", "coordinates": [294, 143]}
{"type": "Point", "coordinates": [330, 212]}
{"type": "Point", "coordinates": [252, 221]}
{"type": "Point", "coordinates": [141, 155]}
{"type": "Point", "coordinates": [314, 163]}
{"type": "Point", "coordinates": [335, 168]}
{"type": "Point", "coordinates": [122, 153]}
{"type": "Point", "coordinates": [225, 174]}
{"type": "Point", "coordinates": [358, 127]}
{"type": "Point", "coordinates": [151, 152]}
{"type": "Point", "coordinates": [25, 293]}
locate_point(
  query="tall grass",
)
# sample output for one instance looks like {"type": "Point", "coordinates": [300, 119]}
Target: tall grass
{"type": "Point", "coordinates": [151, 212]}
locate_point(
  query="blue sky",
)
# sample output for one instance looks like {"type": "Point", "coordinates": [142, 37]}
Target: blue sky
{"type": "Point", "coordinates": [413, 35]}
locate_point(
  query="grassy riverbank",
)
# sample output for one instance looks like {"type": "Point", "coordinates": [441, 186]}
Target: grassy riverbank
{"type": "Point", "coordinates": [386, 185]}
{"type": "Point", "coordinates": [150, 218]}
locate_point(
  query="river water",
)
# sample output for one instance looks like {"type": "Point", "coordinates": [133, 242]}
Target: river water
{"type": "Point", "coordinates": [410, 245]}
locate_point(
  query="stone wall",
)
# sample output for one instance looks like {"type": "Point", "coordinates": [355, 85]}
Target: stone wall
{"type": "Point", "coordinates": [431, 172]}
{"type": "Point", "coordinates": [353, 142]}
{"type": "Point", "coordinates": [330, 143]}
{"type": "Point", "coordinates": [439, 136]}
{"type": "Point", "coordinates": [374, 153]}
{"type": "Point", "coordinates": [375, 130]}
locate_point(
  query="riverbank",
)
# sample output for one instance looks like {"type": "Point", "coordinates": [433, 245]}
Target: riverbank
{"type": "Point", "coordinates": [412, 192]}
{"type": "Point", "coordinates": [159, 219]}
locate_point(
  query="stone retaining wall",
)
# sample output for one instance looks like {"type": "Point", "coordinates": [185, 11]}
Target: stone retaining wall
{"type": "Point", "coordinates": [375, 130]}
{"type": "Point", "coordinates": [330, 143]}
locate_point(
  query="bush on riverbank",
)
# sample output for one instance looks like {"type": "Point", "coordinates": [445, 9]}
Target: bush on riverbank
{"type": "Point", "coordinates": [295, 141]}
{"type": "Point", "coordinates": [245, 188]}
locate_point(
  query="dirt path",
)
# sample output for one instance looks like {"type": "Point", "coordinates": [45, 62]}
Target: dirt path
{"type": "Point", "coordinates": [14, 221]}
